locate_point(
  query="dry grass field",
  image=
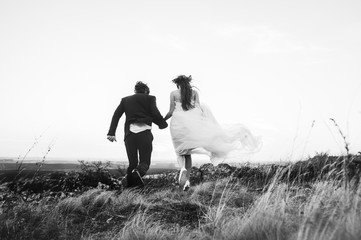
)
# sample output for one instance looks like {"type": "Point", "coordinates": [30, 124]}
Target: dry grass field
{"type": "Point", "coordinates": [315, 199]}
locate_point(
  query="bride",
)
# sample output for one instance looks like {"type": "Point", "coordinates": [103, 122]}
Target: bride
{"type": "Point", "coordinates": [194, 130]}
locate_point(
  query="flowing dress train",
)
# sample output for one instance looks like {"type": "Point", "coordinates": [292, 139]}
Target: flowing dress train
{"type": "Point", "coordinates": [196, 131]}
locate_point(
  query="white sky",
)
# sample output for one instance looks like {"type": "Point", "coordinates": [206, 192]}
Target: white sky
{"type": "Point", "coordinates": [275, 66]}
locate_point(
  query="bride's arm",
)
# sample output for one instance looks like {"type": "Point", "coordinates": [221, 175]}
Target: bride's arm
{"type": "Point", "coordinates": [171, 107]}
{"type": "Point", "coordinates": [196, 99]}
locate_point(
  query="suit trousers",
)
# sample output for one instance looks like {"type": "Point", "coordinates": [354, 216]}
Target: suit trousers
{"type": "Point", "coordinates": [139, 144]}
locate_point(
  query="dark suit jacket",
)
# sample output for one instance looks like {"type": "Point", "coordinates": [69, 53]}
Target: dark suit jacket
{"type": "Point", "coordinates": [138, 108]}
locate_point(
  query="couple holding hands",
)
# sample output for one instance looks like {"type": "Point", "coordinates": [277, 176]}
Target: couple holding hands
{"type": "Point", "coordinates": [193, 128]}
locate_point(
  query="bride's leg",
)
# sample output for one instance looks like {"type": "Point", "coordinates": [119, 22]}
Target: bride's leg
{"type": "Point", "coordinates": [183, 171]}
{"type": "Point", "coordinates": [181, 161]}
{"type": "Point", "coordinates": [188, 165]}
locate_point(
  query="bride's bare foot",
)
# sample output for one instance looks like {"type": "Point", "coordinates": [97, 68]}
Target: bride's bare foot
{"type": "Point", "coordinates": [186, 186]}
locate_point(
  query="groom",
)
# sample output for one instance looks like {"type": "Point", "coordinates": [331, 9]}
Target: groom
{"type": "Point", "coordinates": [140, 110]}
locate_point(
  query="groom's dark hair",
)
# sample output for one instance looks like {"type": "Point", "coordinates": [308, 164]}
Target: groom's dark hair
{"type": "Point", "coordinates": [141, 87]}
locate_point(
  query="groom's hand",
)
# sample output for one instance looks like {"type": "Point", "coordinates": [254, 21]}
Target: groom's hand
{"type": "Point", "coordinates": [111, 138]}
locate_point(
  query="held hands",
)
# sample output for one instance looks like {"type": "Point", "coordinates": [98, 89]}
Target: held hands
{"type": "Point", "coordinates": [111, 138]}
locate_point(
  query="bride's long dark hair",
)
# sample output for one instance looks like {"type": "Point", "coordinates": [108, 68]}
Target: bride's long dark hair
{"type": "Point", "coordinates": [183, 83]}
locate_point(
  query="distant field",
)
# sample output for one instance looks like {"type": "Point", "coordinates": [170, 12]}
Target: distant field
{"type": "Point", "coordinates": [9, 169]}
{"type": "Point", "coordinates": [44, 167]}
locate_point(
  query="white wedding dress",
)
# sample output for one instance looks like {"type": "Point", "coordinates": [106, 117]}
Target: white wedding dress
{"type": "Point", "coordinates": [196, 131]}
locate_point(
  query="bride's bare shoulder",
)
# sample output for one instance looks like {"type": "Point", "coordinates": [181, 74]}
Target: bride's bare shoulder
{"type": "Point", "coordinates": [175, 93]}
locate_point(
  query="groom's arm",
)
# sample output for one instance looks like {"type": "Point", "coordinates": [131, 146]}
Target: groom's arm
{"type": "Point", "coordinates": [115, 119]}
{"type": "Point", "coordinates": [157, 117]}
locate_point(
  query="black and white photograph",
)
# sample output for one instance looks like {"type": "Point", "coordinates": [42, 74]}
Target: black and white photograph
{"type": "Point", "coordinates": [180, 120]}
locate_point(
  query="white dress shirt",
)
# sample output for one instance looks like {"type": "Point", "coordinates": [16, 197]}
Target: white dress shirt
{"type": "Point", "coordinates": [139, 127]}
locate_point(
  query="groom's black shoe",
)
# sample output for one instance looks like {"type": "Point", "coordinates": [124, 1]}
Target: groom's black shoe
{"type": "Point", "coordinates": [137, 180]}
